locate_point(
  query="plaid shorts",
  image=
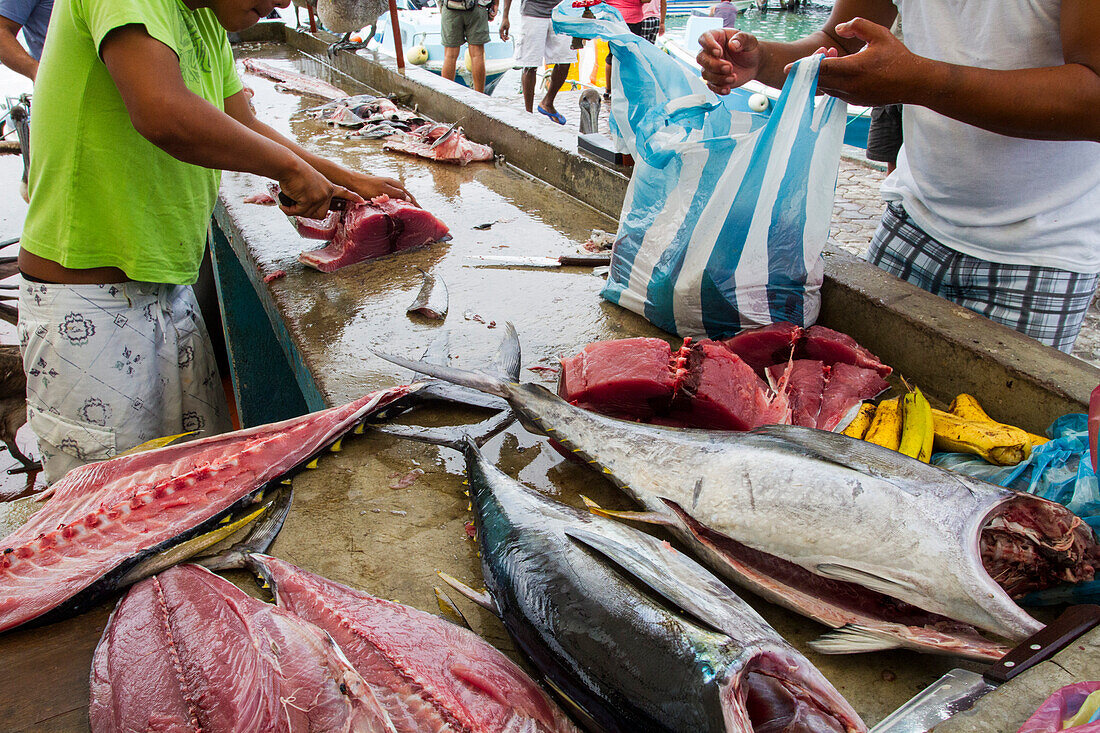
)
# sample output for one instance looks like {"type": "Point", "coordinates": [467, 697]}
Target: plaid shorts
{"type": "Point", "coordinates": [1043, 302]}
{"type": "Point", "coordinates": [649, 29]}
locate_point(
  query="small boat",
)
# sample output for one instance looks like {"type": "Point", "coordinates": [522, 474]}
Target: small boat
{"type": "Point", "coordinates": [702, 7]}
{"type": "Point", "coordinates": [753, 96]}
{"type": "Point", "coordinates": [420, 39]}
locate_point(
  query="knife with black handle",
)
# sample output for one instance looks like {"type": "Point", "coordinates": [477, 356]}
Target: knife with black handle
{"type": "Point", "coordinates": [960, 689]}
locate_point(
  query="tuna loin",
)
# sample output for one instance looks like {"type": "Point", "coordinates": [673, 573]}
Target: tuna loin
{"type": "Point", "coordinates": [186, 650]}
{"type": "Point", "coordinates": [371, 229]}
{"type": "Point", "coordinates": [105, 518]}
{"type": "Point", "coordinates": [428, 674]}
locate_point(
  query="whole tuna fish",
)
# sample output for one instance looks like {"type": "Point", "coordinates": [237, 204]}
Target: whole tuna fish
{"type": "Point", "coordinates": [186, 650]}
{"type": "Point", "coordinates": [627, 660]}
{"type": "Point", "coordinates": [430, 675]}
{"type": "Point", "coordinates": [104, 521]}
{"type": "Point", "coordinates": [880, 546]}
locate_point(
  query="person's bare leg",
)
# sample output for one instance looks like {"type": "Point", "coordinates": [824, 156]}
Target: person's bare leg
{"type": "Point", "coordinates": [527, 84]}
{"type": "Point", "coordinates": [477, 64]}
{"type": "Point", "coordinates": [607, 92]}
{"type": "Point", "coordinates": [450, 60]}
{"type": "Point", "coordinates": [557, 78]}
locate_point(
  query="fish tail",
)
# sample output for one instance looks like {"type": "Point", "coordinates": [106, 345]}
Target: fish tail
{"type": "Point", "coordinates": [492, 379]}
{"type": "Point", "coordinates": [458, 438]}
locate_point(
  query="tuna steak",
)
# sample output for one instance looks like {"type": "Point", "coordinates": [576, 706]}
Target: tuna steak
{"type": "Point", "coordinates": [833, 347]}
{"type": "Point", "coordinates": [430, 675]}
{"type": "Point", "coordinates": [372, 229]}
{"type": "Point", "coordinates": [104, 518]}
{"type": "Point", "coordinates": [762, 347]}
{"type": "Point", "coordinates": [186, 650]}
{"type": "Point", "coordinates": [628, 378]}
{"type": "Point", "coordinates": [293, 81]}
{"type": "Point", "coordinates": [835, 528]}
{"type": "Point", "coordinates": [686, 656]}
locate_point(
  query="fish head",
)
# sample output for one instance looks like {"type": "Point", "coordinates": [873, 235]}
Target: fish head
{"type": "Point", "coordinates": [776, 685]}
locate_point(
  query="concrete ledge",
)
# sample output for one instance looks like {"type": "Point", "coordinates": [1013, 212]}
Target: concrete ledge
{"type": "Point", "coordinates": [932, 342]}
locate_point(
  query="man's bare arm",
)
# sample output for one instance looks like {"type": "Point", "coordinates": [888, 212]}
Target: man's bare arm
{"type": "Point", "coordinates": [1052, 103]}
{"type": "Point", "coordinates": [363, 184]}
{"type": "Point", "coordinates": [187, 127]}
{"type": "Point", "coordinates": [12, 53]}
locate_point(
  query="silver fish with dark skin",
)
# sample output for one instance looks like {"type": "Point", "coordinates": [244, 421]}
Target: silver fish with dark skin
{"type": "Point", "coordinates": [631, 633]}
{"type": "Point", "coordinates": [881, 547]}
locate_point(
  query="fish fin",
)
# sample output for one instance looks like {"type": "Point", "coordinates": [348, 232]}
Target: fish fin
{"type": "Point", "coordinates": [631, 516]}
{"type": "Point", "coordinates": [484, 380]}
{"type": "Point", "coordinates": [438, 352]}
{"type": "Point", "coordinates": [871, 581]}
{"type": "Point", "coordinates": [259, 538]}
{"type": "Point", "coordinates": [155, 443]}
{"type": "Point", "coordinates": [854, 639]}
{"type": "Point", "coordinates": [455, 438]}
{"type": "Point", "coordinates": [672, 575]}
{"type": "Point", "coordinates": [572, 706]}
{"type": "Point", "coordinates": [481, 598]}
{"type": "Point", "coordinates": [449, 608]}
{"type": "Point", "coordinates": [189, 548]}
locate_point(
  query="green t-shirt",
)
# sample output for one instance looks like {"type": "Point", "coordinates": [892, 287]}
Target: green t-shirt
{"type": "Point", "coordinates": [101, 194]}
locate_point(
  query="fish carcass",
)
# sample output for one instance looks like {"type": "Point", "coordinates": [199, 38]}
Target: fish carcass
{"type": "Point", "coordinates": [371, 229]}
{"type": "Point", "coordinates": [425, 142]}
{"type": "Point", "coordinates": [106, 521]}
{"type": "Point", "coordinates": [293, 81]}
{"type": "Point", "coordinates": [186, 650]}
{"type": "Point", "coordinates": [428, 674]}
{"type": "Point", "coordinates": [431, 302]}
{"type": "Point", "coordinates": [563, 582]}
{"type": "Point", "coordinates": [882, 547]}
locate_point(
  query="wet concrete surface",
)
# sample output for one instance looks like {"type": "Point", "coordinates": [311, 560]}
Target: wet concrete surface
{"type": "Point", "coordinates": [347, 522]}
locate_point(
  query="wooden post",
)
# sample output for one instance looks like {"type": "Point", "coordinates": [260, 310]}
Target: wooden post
{"type": "Point", "coordinates": [398, 47]}
{"type": "Point", "coordinates": [312, 19]}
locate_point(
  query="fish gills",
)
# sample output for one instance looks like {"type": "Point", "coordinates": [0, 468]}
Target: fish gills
{"type": "Point", "coordinates": [429, 674]}
{"type": "Point", "coordinates": [186, 650]}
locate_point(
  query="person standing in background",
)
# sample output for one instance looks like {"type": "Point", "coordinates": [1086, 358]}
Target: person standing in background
{"type": "Point", "coordinates": [32, 17]}
{"type": "Point", "coordinates": [653, 19]}
{"type": "Point", "coordinates": [538, 45]}
{"type": "Point", "coordinates": [465, 21]}
{"type": "Point", "coordinates": [727, 11]}
{"type": "Point", "coordinates": [631, 10]}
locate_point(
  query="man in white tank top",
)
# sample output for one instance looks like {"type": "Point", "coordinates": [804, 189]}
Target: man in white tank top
{"type": "Point", "coordinates": [995, 203]}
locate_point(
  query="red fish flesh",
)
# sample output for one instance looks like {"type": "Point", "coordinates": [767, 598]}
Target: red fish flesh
{"type": "Point", "coordinates": [806, 380]}
{"type": "Point", "coordinates": [628, 378]}
{"type": "Point", "coordinates": [428, 674]}
{"type": "Point", "coordinates": [834, 347]}
{"type": "Point", "coordinates": [293, 81]}
{"type": "Point", "coordinates": [717, 390]}
{"type": "Point", "coordinates": [762, 347]}
{"type": "Point", "coordinates": [323, 229]}
{"type": "Point", "coordinates": [372, 229]}
{"type": "Point", "coordinates": [848, 385]}
{"type": "Point", "coordinates": [105, 518]}
{"type": "Point", "coordinates": [186, 650]}
{"type": "Point", "coordinates": [456, 148]}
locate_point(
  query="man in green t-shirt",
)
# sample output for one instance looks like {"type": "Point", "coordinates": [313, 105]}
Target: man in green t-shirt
{"type": "Point", "coordinates": [137, 109]}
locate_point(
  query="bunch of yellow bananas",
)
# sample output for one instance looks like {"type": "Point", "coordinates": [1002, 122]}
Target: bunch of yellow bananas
{"type": "Point", "coordinates": [909, 425]}
{"type": "Point", "coordinates": [903, 424]}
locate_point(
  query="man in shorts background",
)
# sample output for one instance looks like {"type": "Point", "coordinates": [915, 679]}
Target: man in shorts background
{"type": "Point", "coordinates": [466, 21]}
{"type": "Point", "coordinates": [539, 44]}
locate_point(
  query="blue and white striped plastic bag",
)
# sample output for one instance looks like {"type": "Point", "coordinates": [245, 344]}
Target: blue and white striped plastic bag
{"type": "Point", "coordinates": [728, 210]}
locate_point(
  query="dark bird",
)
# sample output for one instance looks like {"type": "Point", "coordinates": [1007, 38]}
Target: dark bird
{"type": "Point", "coordinates": [13, 402]}
{"type": "Point", "coordinates": [348, 16]}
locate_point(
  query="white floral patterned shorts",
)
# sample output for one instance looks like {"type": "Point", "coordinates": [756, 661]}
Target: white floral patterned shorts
{"type": "Point", "coordinates": [112, 366]}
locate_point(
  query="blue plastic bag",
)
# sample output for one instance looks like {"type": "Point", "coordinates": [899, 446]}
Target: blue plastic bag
{"type": "Point", "coordinates": [1060, 471]}
{"type": "Point", "coordinates": [727, 210]}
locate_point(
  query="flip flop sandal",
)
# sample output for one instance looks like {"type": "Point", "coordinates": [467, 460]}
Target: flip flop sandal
{"type": "Point", "coordinates": [555, 116]}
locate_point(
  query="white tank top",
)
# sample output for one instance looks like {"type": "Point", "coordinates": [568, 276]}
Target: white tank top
{"type": "Point", "coordinates": [1003, 199]}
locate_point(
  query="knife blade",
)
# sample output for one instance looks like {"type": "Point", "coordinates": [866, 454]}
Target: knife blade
{"type": "Point", "coordinates": [444, 136]}
{"type": "Point", "coordinates": [579, 260]}
{"type": "Point", "coordinates": [960, 689]}
{"type": "Point", "coordinates": [334, 204]}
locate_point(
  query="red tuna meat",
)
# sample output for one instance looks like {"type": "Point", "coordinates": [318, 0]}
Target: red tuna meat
{"type": "Point", "coordinates": [101, 517]}
{"type": "Point", "coordinates": [428, 674]}
{"type": "Point", "coordinates": [628, 378]}
{"type": "Point", "coordinates": [414, 226]}
{"type": "Point", "coordinates": [848, 385]}
{"type": "Point", "coordinates": [457, 148]}
{"type": "Point", "coordinates": [805, 385]}
{"type": "Point", "coordinates": [186, 650]}
{"type": "Point", "coordinates": [317, 228]}
{"type": "Point", "coordinates": [718, 390]}
{"type": "Point", "coordinates": [363, 232]}
{"type": "Point", "coordinates": [762, 347]}
{"type": "Point", "coordinates": [833, 347]}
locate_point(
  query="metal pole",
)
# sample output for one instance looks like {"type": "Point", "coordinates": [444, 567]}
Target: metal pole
{"type": "Point", "coordinates": [398, 47]}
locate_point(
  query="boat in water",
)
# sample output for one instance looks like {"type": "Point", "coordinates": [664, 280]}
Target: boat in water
{"type": "Point", "coordinates": [420, 38]}
{"type": "Point", "coordinates": [702, 7]}
{"type": "Point", "coordinates": [753, 96]}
